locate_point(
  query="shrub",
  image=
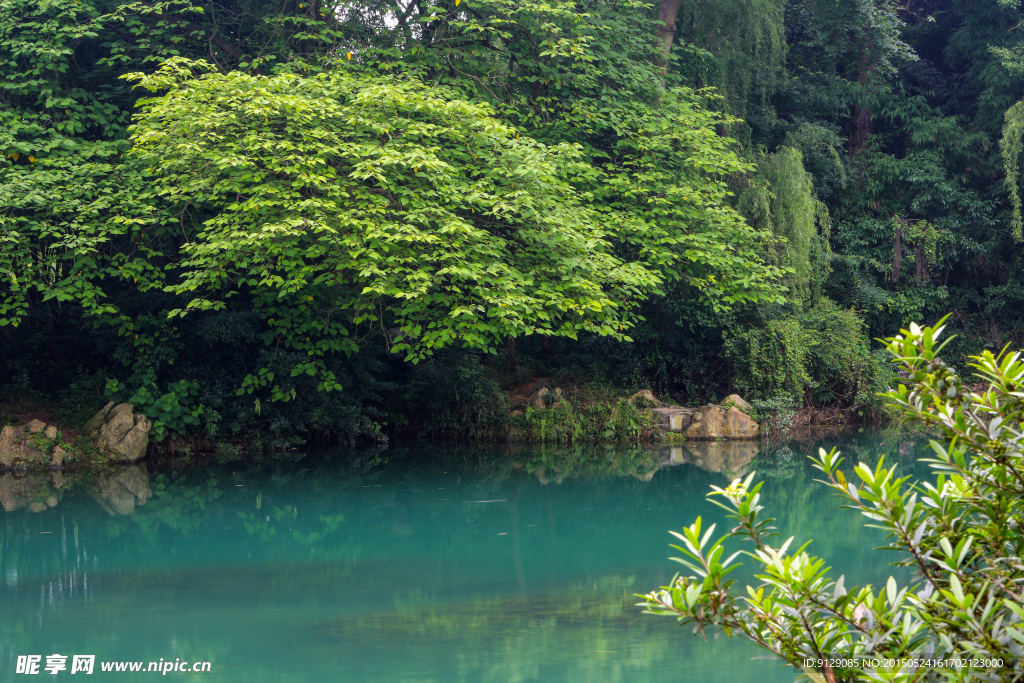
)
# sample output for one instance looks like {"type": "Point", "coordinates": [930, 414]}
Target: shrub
{"type": "Point", "coordinates": [818, 358]}
{"type": "Point", "coordinates": [959, 533]}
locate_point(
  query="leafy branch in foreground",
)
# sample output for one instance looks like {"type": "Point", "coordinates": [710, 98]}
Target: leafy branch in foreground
{"type": "Point", "coordinates": [960, 534]}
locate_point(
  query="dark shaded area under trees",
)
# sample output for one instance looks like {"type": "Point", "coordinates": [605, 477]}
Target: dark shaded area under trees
{"type": "Point", "coordinates": [339, 221]}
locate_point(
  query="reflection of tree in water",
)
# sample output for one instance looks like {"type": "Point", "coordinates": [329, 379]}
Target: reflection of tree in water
{"type": "Point", "coordinates": [554, 465]}
{"type": "Point", "coordinates": [514, 637]}
{"type": "Point", "coordinates": [777, 462]}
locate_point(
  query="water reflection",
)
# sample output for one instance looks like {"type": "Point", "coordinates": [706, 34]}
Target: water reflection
{"type": "Point", "coordinates": [418, 564]}
{"type": "Point", "coordinates": [117, 489]}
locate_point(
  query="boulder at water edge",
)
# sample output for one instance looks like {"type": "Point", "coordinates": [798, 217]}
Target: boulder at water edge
{"type": "Point", "coordinates": [718, 422]}
{"type": "Point", "coordinates": [120, 432]}
{"type": "Point", "coordinates": [16, 449]}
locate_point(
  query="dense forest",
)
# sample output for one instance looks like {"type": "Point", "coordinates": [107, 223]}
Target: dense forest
{"type": "Point", "coordinates": [346, 221]}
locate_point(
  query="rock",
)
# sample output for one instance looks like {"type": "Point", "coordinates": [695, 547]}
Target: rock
{"type": "Point", "coordinates": [515, 413]}
{"type": "Point", "coordinates": [15, 447]}
{"type": "Point", "coordinates": [716, 422]}
{"type": "Point", "coordinates": [36, 506]}
{"type": "Point", "coordinates": [50, 432]}
{"type": "Point", "coordinates": [673, 419]}
{"type": "Point", "coordinates": [58, 456]}
{"type": "Point", "coordinates": [120, 492]}
{"type": "Point", "coordinates": [51, 501]}
{"type": "Point", "coordinates": [10, 443]}
{"type": "Point", "coordinates": [35, 426]}
{"type": "Point", "coordinates": [735, 400]}
{"type": "Point", "coordinates": [739, 425]}
{"type": "Point", "coordinates": [120, 432]}
{"type": "Point", "coordinates": [58, 480]}
{"type": "Point", "coordinates": [537, 401]}
{"type": "Point", "coordinates": [96, 420]}
{"type": "Point", "coordinates": [708, 423]}
{"type": "Point", "coordinates": [646, 395]}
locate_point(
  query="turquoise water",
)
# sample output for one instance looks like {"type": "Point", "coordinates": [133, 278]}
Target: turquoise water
{"type": "Point", "coordinates": [410, 564]}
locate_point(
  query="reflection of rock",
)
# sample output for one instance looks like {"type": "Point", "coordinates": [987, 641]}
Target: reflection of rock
{"type": "Point", "coordinates": [716, 422]}
{"type": "Point", "coordinates": [16, 448]}
{"type": "Point", "coordinates": [119, 431]}
{"type": "Point", "coordinates": [542, 475]}
{"type": "Point", "coordinates": [728, 457]}
{"type": "Point", "coordinates": [119, 492]}
{"type": "Point", "coordinates": [16, 492]}
{"type": "Point", "coordinates": [20, 492]}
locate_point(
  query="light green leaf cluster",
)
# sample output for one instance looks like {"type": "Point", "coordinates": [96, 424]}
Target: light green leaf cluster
{"type": "Point", "coordinates": [341, 202]}
{"type": "Point", "coordinates": [961, 618]}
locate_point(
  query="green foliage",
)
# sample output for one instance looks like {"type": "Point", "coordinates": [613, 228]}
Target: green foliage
{"type": "Point", "coordinates": [959, 534]}
{"type": "Point", "coordinates": [173, 411]}
{"type": "Point", "coordinates": [366, 195]}
{"type": "Point", "coordinates": [738, 48]}
{"type": "Point", "coordinates": [384, 177]}
{"type": "Point", "coordinates": [772, 358]}
{"type": "Point", "coordinates": [570, 422]}
{"type": "Point", "coordinates": [451, 396]}
{"type": "Point", "coordinates": [783, 202]}
{"type": "Point", "coordinates": [815, 359]}
{"type": "Point", "coordinates": [1012, 144]}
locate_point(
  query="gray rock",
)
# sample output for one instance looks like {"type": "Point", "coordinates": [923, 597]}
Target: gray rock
{"type": "Point", "coordinates": [539, 399]}
{"type": "Point", "coordinates": [98, 419]}
{"type": "Point", "coordinates": [15, 448]}
{"type": "Point", "coordinates": [58, 456]}
{"type": "Point", "coordinates": [120, 432]}
{"type": "Point", "coordinates": [737, 401]}
{"type": "Point", "coordinates": [50, 432]}
{"type": "Point", "coordinates": [35, 426]}
{"type": "Point", "coordinates": [648, 396]}
{"type": "Point", "coordinates": [536, 400]}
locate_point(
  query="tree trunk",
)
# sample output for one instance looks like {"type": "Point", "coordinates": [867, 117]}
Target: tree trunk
{"type": "Point", "coordinates": [897, 256]}
{"type": "Point", "coordinates": [860, 117]}
{"type": "Point", "coordinates": [510, 346]}
{"type": "Point", "coordinates": [668, 10]}
{"type": "Point", "coordinates": [921, 264]}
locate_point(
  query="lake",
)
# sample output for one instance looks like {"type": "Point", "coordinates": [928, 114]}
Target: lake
{"type": "Point", "coordinates": [414, 564]}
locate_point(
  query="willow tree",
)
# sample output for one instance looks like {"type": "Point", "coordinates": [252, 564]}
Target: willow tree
{"type": "Point", "coordinates": [781, 199]}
